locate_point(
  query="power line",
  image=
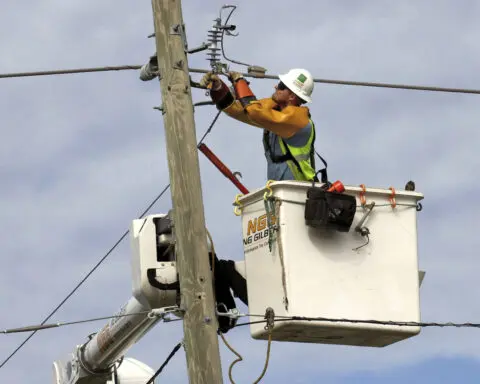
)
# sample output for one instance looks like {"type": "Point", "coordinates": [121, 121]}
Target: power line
{"type": "Point", "coordinates": [56, 325]}
{"type": "Point", "coordinates": [68, 71]}
{"type": "Point", "coordinates": [355, 321]}
{"type": "Point", "coordinates": [209, 128]}
{"type": "Point", "coordinates": [174, 351]}
{"type": "Point", "coordinates": [195, 70]}
{"type": "Point", "coordinates": [365, 83]}
{"type": "Point", "coordinates": [41, 327]}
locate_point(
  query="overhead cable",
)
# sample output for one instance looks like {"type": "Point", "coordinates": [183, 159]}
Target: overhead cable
{"type": "Point", "coordinates": [356, 321]}
{"type": "Point", "coordinates": [272, 77]}
{"type": "Point", "coordinates": [174, 351]}
{"type": "Point", "coordinates": [364, 83]}
{"type": "Point", "coordinates": [68, 71]}
{"type": "Point", "coordinates": [62, 324]}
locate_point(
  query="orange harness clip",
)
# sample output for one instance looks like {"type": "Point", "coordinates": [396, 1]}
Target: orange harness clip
{"type": "Point", "coordinates": [392, 198]}
{"type": "Point", "coordinates": [363, 201]}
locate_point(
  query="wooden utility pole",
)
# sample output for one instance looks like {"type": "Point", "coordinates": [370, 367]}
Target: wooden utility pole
{"type": "Point", "coordinates": [200, 324]}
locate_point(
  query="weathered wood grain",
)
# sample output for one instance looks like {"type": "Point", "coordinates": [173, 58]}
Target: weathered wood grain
{"type": "Point", "coordinates": [200, 325]}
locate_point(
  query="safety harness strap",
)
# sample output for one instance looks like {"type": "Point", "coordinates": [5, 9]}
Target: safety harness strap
{"type": "Point", "coordinates": [288, 155]}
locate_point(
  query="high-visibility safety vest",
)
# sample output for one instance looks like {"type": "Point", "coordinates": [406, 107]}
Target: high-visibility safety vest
{"type": "Point", "coordinates": [260, 113]}
{"type": "Point", "coordinates": [300, 160]}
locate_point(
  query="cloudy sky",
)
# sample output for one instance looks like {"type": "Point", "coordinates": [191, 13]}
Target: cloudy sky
{"type": "Point", "coordinates": [82, 155]}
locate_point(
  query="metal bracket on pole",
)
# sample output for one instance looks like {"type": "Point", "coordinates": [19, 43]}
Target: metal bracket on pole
{"type": "Point", "coordinates": [178, 29]}
{"type": "Point", "coordinates": [233, 313]}
{"type": "Point", "coordinates": [201, 48]}
{"type": "Point", "coordinates": [270, 318]}
{"type": "Point", "coordinates": [163, 312]}
{"type": "Point", "coordinates": [161, 108]}
{"type": "Point", "coordinates": [178, 64]}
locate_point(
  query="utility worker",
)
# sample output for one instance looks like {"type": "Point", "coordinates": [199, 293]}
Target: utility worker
{"type": "Point", "coordinates": [288, 140]}
{"type": "Point", "coordinates": [289, 132]}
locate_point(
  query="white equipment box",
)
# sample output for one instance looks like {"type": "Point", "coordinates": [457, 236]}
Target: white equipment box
{"type": "Point", "coordinates": [314, 273]}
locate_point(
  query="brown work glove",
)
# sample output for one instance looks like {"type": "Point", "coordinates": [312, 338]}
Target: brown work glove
{"type": "Point", "coordinates": [234, 76]}
{"type": "Point", "coordinates": [210, 80]}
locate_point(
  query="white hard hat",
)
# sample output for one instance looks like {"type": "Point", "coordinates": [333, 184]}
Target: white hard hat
{"type": "Point", "coordinates": [300, 82]}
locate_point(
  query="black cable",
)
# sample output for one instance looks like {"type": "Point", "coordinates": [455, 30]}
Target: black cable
{"type": "Point", "coordinates": [210, 127]}
{"type": "Point", "coordinates": [174, 351]}
{"type": "Point", "coordinates": [378, 322]}
{"type": "Point", "coordinates": [272, 77]}
{"type": "Point", "coordinates": [68, 71]}
{"type": "Point", "coordinates": [363, 83]}
{"type": "Point", "coordinates": [222, 37]}
{"type": "Point", "coordinates": [56, 325]}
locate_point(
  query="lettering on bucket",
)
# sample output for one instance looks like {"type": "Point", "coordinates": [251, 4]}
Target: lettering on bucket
{"type": "Point", "coordinates": [257, 230]}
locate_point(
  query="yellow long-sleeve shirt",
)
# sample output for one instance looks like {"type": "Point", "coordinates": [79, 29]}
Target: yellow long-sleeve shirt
{"type": "Point", "coordinates": [291, 123]}
{"type": "Point", "coordinates": [264, 114]}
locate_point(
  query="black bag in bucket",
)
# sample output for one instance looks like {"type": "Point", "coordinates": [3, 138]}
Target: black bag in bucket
{"type": "Point", "coordinates": [329, 210]}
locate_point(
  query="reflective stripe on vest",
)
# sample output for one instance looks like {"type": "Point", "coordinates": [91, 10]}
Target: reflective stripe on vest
{"type": "Point", "coordinates": [304, 168]}
{"type": "Point", "coordinates": [300, 160]}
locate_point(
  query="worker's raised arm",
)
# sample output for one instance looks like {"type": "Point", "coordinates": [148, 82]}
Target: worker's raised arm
{"type": "Point", "coordinates": [224, 99]}
{"type": "Point", "coordinates": [284, 123]}
{"type": "Point", "coordinates": [244, 106]}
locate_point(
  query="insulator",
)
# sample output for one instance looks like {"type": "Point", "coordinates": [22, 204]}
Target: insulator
{"type": "Point", "coordinates": [214, 39]}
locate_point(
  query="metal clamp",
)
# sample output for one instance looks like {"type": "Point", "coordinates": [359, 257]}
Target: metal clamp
{"type": "Point", "coordinates": [164, 311]}
{"type": "Point", "coordinates": [257, 71]}
{"type": "Point", "coordinates": [179, 29]}
{"type": "Point", "coordinates": [233, 313]}
{"type": "Point", "coordinates": [270, 317]}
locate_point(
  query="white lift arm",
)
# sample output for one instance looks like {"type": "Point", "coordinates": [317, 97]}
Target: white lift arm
{"type": "Point", "coordinates": [155, 285]}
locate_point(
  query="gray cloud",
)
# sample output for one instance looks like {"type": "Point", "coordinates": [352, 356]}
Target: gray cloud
{"type": "Point", "coordinates": [82, 155]}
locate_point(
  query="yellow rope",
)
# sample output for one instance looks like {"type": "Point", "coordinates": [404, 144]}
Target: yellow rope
{"type": "Point", "coordinates": [240, 358]}
{"type": "Point", "coordinates": [267, 358]}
